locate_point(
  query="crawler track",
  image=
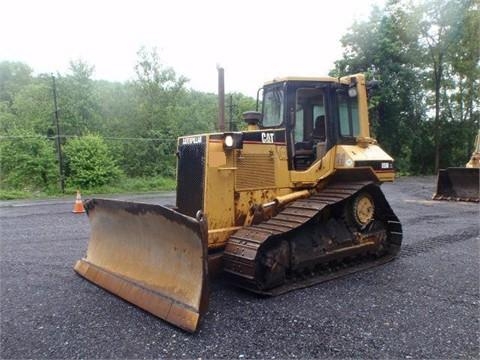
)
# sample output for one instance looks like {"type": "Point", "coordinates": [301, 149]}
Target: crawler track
{"type": "Point", "coordinates": [254, 255]}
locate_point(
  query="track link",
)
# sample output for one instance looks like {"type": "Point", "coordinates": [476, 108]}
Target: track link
{"type": "Point", "coordinates": [244, 249]}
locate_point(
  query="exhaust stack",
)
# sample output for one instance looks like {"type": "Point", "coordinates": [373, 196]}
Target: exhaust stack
{"type": "Point", "coordinates": [221, 99]}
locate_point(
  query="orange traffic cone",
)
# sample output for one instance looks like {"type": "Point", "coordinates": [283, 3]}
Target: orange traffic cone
{"type": "Point", "coordinates": [78, 207]}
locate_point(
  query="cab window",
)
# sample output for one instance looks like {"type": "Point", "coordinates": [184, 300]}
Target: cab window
{"type": "Point", "coordinates": [273, 105]}
{"type": "Point", "coordinates": [348, 116]}
{"type": "Point", "coordinates": [299, 123]}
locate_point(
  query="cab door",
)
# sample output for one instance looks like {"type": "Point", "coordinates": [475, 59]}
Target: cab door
{"type": "Point", "coordinates": [309, 135]}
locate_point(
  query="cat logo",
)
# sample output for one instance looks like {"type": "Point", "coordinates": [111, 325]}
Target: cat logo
{"type": "Point", "coordinates": [267, 138]}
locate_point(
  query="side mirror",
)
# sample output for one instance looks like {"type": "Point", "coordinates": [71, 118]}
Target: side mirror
{"type": "Point", "coordinates": [373, 84]}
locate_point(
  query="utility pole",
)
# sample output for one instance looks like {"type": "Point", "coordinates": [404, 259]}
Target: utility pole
{"type": "Point", "coordinates": [57, 138]}
{"type": "Point", "coordinates": [231, 125]}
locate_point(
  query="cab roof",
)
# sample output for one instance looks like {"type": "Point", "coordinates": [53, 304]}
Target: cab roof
{"type": "Point", "coordinates": [306, 79]}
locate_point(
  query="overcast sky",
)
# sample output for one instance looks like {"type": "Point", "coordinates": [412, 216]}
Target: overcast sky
{"type": "Point", "coordinates": [254, 41]}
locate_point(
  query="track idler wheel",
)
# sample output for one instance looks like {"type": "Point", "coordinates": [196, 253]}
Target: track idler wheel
{"type": "Point", "coordinates": [360, 210]}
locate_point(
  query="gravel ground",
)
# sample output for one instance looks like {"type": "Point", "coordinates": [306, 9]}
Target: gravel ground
{"type": "Point", "coordinates": [425, 304]}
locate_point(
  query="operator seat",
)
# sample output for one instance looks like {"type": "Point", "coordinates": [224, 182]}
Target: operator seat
{"type": "Point", "coordinates": [318, 134]}
{"type": "Point", "coordinates": [319, 137]}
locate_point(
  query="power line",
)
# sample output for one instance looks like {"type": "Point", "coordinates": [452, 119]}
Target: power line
{"type": "Point", "coordinates": [76, 136]}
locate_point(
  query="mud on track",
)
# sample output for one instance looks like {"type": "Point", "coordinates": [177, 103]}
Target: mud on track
{"type": "Point", "coordinates": [425, 304]}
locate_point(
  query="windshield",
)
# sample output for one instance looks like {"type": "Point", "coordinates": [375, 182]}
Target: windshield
{"type": "Point", "coordinates": [273, 107]}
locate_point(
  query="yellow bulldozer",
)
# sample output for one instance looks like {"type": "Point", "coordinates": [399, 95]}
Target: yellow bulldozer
{"type": "Point", "coordinates": [461, 184]}
{"type": "Point", "coordinates": [292, 201]}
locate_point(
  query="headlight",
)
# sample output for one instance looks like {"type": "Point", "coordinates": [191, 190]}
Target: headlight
{"type": "Point", "coordinates": [228, 141]}
{"type": "Point", "coordinates": [233, 140]}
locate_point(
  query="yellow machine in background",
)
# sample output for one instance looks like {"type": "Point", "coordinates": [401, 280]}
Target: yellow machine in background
{"type": "Point", "coordinates": [461, 184]}
{"type": "Point", "coordinates": [474, 161]}
{"type": "Point", "coordinates": [290, 202]}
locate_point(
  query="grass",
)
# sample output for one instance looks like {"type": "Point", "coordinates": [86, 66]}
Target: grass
{"type": "Point", "coordinates": [124, 185]}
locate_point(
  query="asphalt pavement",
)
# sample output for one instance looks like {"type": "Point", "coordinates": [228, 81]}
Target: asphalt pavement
{"type": "Point", "coordinates": [423, 305]}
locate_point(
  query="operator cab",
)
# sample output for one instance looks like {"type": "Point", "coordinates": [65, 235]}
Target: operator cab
{"type": "Point", "coordinates": [316, 113]}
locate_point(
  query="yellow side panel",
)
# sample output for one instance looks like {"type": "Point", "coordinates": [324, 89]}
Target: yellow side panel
{"type": "Point", "coordinates": [317, 171]}
{"type": "Point", "coordinates": [219, 196]}
{"type": "Point", "coordinates": [238, 179]}
{"type": "Point", "coordinates": [281, 168]}
{"type": "Point", "coordinates": [262, 175]}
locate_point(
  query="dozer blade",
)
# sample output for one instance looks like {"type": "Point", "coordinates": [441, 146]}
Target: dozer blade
{"type": "Point", "coordinates": [460, 184]}
{"type": "Point", "coordinates": [149, 255]}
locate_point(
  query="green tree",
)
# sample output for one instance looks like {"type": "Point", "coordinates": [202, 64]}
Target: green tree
{"type": "Point", "coordinates": [27, 161]}
{"type": "Point", "coordinates": [158, 92]}
{"type": "Point", "coordinates": [236, 104]}
{"type": "Point", "coordinates": [449, 40]}
{"type": "Point", "coordinates": [33, 106]}
{"type": "Point", "coordinates": [427, 56]}
{"type": "Point", "coordinates": [197, 113]}
{"type": "Point", "coordinates": [139, 121]}
{"type": "Point", "coordinates": [116, 106]}
{"type": "Point", "coordinates": [384, 46]}
{"type": "Point", "coordinates": [77, 100]}
{"type": "Point", "coordinates": [13, 77]}
{"type": "Point", "coordinates": [89, 163]}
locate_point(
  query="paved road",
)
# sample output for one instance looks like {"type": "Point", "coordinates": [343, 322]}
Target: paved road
{"type": "Point", "coordinates": [423, 305]}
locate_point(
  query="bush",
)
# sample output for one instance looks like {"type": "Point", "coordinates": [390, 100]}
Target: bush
{"type": "Point", "coordinates": [89, 162]}
{"type": "Point", "coordinates": [149, 158]}
{"type": "Point", "coordinates": [28, 162]}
